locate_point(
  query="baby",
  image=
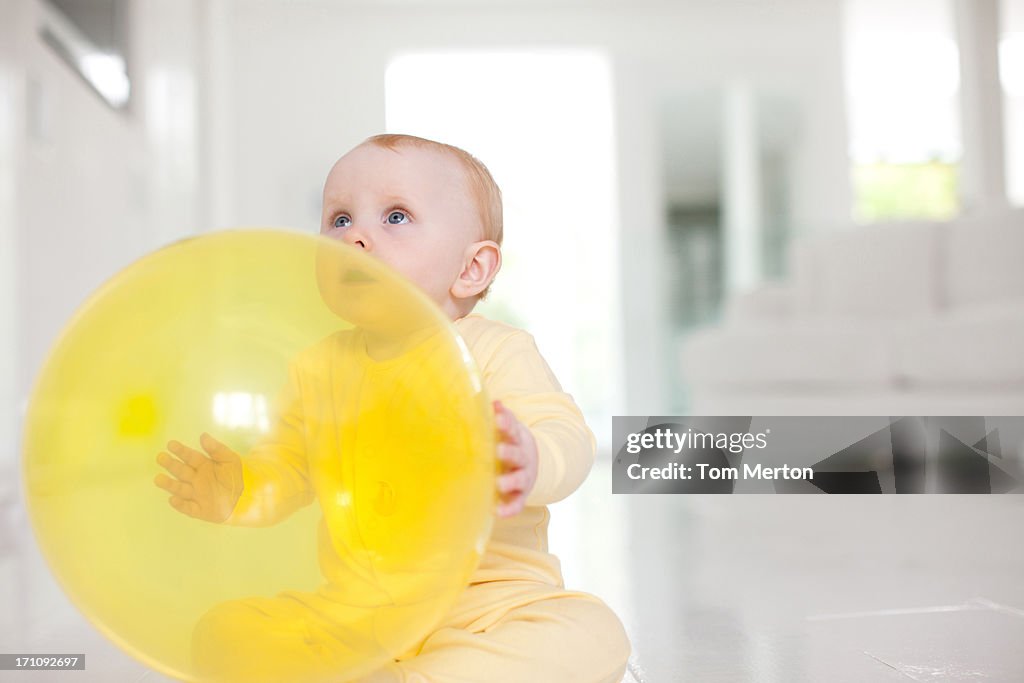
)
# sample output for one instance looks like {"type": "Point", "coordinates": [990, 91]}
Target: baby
{"type": "Point", "coordinates": [433, 213]}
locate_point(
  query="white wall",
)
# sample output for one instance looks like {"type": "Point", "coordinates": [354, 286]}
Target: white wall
{"type": "Point", "coordinates": [305, 81]}
{"type": "Point", "coordinates": [1012, 18]}
{"type": "Point", "coordinates": [11, 92]}
{"type": "Point", "coordinates": [239, 108]}
{"type": "Point", "coordinates": [86, 189]}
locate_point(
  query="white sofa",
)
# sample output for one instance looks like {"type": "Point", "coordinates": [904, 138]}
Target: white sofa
{"type": "Point", "coordinates": [885, 319]}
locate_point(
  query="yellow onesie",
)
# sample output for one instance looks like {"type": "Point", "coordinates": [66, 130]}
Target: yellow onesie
{"type": "Point", "coordinates": [515, 621]}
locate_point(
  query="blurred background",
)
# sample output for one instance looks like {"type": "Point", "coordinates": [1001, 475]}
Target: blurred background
{"type": "Point", "coordinates": [786, 207]}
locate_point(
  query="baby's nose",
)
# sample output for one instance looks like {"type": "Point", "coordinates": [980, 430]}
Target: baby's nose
{"type": "Point", "coordinates": [356, 237]}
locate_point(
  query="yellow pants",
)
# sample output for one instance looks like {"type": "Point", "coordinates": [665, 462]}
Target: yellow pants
{"type": "Point", "coordinates": [514, 631]}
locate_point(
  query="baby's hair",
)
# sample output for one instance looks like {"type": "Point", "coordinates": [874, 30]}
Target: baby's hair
{"type": "Point", "coordinates": [485, 191]}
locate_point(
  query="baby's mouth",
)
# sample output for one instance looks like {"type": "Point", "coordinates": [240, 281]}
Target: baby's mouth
{"type": "Point", "coordinates": [356, 277]}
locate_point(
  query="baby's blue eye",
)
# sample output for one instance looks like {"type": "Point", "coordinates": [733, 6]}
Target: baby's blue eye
{"type": "Point", "coordinates": [342, 222]}
{"type": "Point", "coordinates": [397, 217]}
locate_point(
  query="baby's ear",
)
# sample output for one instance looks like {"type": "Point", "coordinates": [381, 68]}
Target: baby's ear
{"type": "Point", "coordinates": [481, 263]}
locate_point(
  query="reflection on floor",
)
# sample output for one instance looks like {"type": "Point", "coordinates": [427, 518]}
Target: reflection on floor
{"type": "Point", "coordinates": [729, 588]}
{"type": "Point", "coordinates": [804, 588]}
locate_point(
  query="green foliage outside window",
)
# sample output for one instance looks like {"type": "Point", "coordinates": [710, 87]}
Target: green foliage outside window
{"type": "Point", "coordinates": [885, 191]}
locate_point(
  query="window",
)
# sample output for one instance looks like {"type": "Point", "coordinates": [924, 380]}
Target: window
{"type": "Point", "coordinates": [541, 122]}
{"type": "Point", "coordinates": [903, 78]}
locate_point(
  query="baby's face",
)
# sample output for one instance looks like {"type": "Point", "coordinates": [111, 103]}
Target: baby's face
{"type": "Point", "coordinates": [411, 208]}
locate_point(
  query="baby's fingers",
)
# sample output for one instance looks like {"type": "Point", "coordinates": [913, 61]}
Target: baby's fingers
{"type": "Point", "coordinates": [216, 449]}
{"type": "Point", "coordinates": [512, 506]}
{"type": "Point", "coordinates": [512, 482]}
{"type": "Point", "coordinates": [506, 423]}
{"type": "Point", "coordinates": [187, 507]}
{"type": "Point", "coordinates": [511, 456]}
{"type": "Point", "coordinates": [190, 456]}
{"type": "Point", "coordinates": [178, 488]}
{"type": "Point", "coordinates": [176, 467]}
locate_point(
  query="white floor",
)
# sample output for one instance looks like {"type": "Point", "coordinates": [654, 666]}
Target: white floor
{"type": "Point", "coordinates": [730, 588]}
{"type": "Point", "coordinates": [806, 588]}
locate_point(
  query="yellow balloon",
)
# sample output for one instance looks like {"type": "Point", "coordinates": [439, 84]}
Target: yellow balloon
{"type": "Point", "coordinates": [259, 455]}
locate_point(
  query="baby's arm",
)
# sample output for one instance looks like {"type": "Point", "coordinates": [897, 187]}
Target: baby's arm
{"type": "Point", "coordinates": [275, 474]}
{"type": "Point", "coordinates": [262, 489]}
{"type": "Point", "coordinates": [521, 380]}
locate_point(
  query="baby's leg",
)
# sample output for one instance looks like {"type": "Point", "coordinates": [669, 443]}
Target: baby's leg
{"type": "Point", "coordinates": [285, 638]}
{"type": "Point", "coordinates": [564, 638]}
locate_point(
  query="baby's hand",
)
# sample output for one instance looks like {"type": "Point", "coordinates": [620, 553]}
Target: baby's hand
{"type": "Point", "coordinates": [517, 452]}
{"type": "Point", "coordinates": [205, 487]}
